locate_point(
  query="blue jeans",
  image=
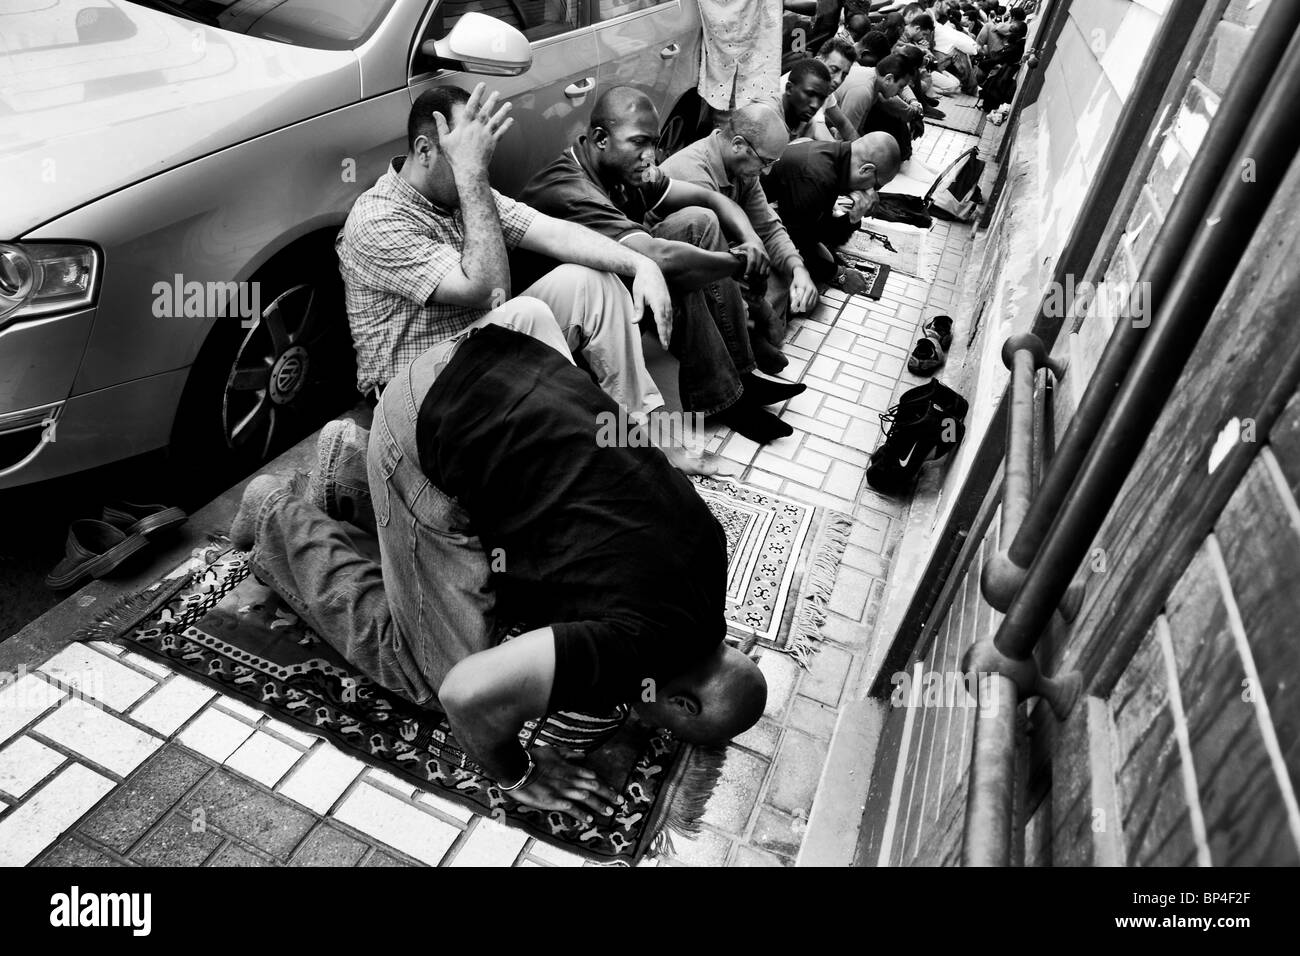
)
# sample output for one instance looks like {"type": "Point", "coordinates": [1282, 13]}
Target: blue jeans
{"type": "Point", "coordinates": [407, 621]}
{"type": "Point", "coordinates": [710, 340]}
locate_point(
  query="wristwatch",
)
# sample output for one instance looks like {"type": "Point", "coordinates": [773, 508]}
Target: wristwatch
{"type": "Point", "coordinates": [522, 781]}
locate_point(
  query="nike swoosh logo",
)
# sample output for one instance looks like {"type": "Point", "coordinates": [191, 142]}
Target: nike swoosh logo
{"type": "Point", "coordinates": [903, 462]}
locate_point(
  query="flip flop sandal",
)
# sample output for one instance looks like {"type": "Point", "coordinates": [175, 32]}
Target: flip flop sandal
{"type": "Point", "coordinates": [927, 357]}
{"type": "Point", "coordinates": [93, 550]}
{"type": "Point", "coordinates": [148, 520]}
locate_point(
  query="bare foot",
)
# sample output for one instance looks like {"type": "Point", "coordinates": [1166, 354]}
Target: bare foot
{"type": "Point", "coordinates": [688, 463]}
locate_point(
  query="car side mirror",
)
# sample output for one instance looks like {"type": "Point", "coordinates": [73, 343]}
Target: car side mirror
{"type": "Point", "coordinates": [479, 43]}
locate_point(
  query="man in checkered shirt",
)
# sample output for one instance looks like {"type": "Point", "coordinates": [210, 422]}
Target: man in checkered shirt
{"type": "Point", "coordinates": [423, 257]}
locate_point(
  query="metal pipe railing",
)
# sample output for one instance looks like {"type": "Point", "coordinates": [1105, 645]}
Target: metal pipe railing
{"type": "Point", "coordinates": [1024, 355]}
{"type": "Point", "coordinates": [1272, 142]}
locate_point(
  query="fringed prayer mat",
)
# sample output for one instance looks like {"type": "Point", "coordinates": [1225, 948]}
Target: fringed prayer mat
{"type": "Point", "coordinates": [212, 620]}
{"type": "Point", "coordinates": [783, 556]}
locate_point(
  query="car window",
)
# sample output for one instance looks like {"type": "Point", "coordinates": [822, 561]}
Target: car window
{"type": "Point", "coordinates": [609, 9]}
{"type": "Point", "coordinates": [536, 19]}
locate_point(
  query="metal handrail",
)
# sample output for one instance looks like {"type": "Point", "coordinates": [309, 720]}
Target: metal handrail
{"type": "Point", "coordinates": [1272, 142]}
{"type": "Point", "coordinates": [1023, 355]}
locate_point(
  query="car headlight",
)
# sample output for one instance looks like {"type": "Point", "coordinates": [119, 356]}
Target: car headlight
{"type": "Point", "coordinates": [38, 278]}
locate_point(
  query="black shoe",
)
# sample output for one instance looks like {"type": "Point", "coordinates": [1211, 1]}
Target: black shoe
{"type": "Point", "coordinates": [754, 422]}
{"type": "Point", "coordinates": [941, 401]}
{"type": "Point", "coordinates": [771, 360]}
{"type": "Point", "coordinates": [935, 114]}
{"type": "Point", "coordinates": [764, 391]}
{"type": "Point", "coordinates": [926, 358]}
{"type": "Point", "coordinates": [940, 327]}
{"type": "Point", "coordinates": [895, 465]}
{"type": "Point", "coordinates": [930, 100]}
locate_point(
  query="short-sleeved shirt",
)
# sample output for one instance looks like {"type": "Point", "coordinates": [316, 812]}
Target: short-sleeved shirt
{"type": "Point", "coordinates": [701, 163]}
{"type": "Point", "coordinates": [805, 129]}
{"type": "Point", "coordinates": [394, 251]}
{"type": "Point", "coordinates": [804, 184]}
{"type": "Point", "coordinates": [858, 94]}
{"type": "Point", "coordinates": [570, 188]}
{"type": "Point", "coordinates": [601, 539]}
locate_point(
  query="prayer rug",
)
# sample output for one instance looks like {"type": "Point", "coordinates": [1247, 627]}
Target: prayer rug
{"type": "Point", "coordinates": [960, 113]}
{"type": "Point", "coordinates": [902, 247]}
{"type": "Point", "coordinates": [212, 620]}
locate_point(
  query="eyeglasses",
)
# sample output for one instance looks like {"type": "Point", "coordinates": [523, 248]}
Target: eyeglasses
{"type": "Point", "coordinates": [767, 163]}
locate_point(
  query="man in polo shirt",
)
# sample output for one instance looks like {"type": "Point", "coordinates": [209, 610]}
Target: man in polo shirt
{"type": "Point", "coordinates": [494, 507]}
{"type": "Point", "coordinates": [877, 87]}
{"type": "Point", "coordinates": [423, 257]}
{"type": "Point", "coordinates": [729, 161]}
{"type": "Point", "coordinates": [608, 181]}
{"type": "Point", "coordinates": [806, 184]}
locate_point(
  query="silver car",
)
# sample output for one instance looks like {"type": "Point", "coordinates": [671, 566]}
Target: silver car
{"type": "Point", "coordinates": [173, 174]}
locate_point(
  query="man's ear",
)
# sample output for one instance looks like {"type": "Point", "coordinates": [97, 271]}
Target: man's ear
{"type": "Point", "coordinates": [599, 136]}
{"type": "Point", "coordinates": [426, 151]}
{"type": "Point", "coordinates": [867, 168]}
{"type": "Point", "coordinates": [688, 704]}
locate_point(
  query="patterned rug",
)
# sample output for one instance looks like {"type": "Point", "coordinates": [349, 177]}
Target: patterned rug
{"type": "Point", "coordinates": [961, 113]}
{"type": "Point", "coordinates": [212, 620]}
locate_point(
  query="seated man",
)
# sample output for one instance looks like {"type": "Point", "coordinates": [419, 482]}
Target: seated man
{"type": "Point", "coordinates": [496, 505]}
{"type": "Point", "coordinates": [954, 51]}
{"type": "Point", "coordinates": [869, 87]}
{"type": "Point", "coordinates": [805, 89]}
{"type": "Point", "coordinates": [608, 181]}
{"type": "Point", "coordinates": [838, 56]}
{"type": "Point", "coordinates": [423, 256]}
{"type": "Point", "coordinates": [728, 161]}
{"type": "Point", "coordinates": [806, 185]}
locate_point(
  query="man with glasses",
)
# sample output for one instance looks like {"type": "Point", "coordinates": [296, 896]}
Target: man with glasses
{"type": "Point", "coordinates": [806, 186]}
{"type": "Point", "coordinates": [728, 161]}
{"type": "Point", "coordinates": [703, 243]}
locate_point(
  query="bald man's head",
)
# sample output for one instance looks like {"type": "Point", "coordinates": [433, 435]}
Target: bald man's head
{"type": "Point", "coordinates": [622, 136]}
{"type": "Point", "coordinates": [755, 136]}
{"type": "Point", "coordinates": [876, 158]}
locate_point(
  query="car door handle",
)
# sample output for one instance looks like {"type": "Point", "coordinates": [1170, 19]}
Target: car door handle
{"type": "Point", "coordinates": [574, 90]}
{"type": "Point", "coordinates": [670, 51]}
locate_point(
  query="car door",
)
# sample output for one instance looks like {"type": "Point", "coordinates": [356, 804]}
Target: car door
{"type": "Point", "coordinates": [550, 102]}
{"type": "Point", "coordinates": [640, 43]}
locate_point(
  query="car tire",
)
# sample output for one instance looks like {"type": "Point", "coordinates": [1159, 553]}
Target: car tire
{"type": "Point", "coordinates": [684, 125]}
{"type": "Point", "coordinates": [260, 385]}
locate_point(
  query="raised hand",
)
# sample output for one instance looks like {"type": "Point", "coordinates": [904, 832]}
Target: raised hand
{"type": "Point", "coordinates": [470, 145]}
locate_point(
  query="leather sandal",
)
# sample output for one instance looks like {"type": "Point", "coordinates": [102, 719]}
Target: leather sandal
{"type": "Point", "coordinates": [94, 548]}
{"type": "Point", "coordinates": [148, 520]}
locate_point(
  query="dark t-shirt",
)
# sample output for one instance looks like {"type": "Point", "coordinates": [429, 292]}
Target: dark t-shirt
{"type": "Point", "coordinates": [570, 189]}
{"type": "Point", "coordinates": [610, 546]}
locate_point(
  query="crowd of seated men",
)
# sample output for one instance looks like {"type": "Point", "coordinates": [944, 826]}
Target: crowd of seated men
{"type": "Point", "coordinates": [493, 335]}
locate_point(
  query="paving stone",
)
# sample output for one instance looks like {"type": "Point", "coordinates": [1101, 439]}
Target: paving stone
{"type": "Point", "coordinates": [28, 829]}
{"type": "Point", "coordinates": [72, 852]}
{"type": "Point", "coordinates": [172, 704]}
{"type": "Point", "coordinates": [380, 858]}
{"type": "Point", "coordinates": [291, 733]}
{"type": "Point", "coordinates": [398, 824]}
{"type": "Point", "coordinates": [98, 736]}
{"type": "Point", "coordinates": [456, 811]}
{"type": "Point", "coordinates": [843, 480]}
{"type": "Point", "coordinates": [733, 799]}
{"type": "Point", "coordinates": [796, 773]}
{"type": "Point", "coordinates": [827, 671]}
{"type": "Point", "coordinates": [705, 848]}
{"type": "Point", "coordinates": [553, 855]}
{"type": "Point", "coordinates": [749, 856]}
{"type": "Point", "coordinates": [215, 734]}
{"type": "Point", "coordinates": [24, 763]}
{"type": "Point", "coordinates": [781, 673]}
{"type": "Point", "coordinates": [148, 665]}
{"type": "Point", "coordinates": [320, 780]}
{"type": "Point", "coordinates": [762, 737]}
{"type": "Point", "coordinates": [23, 701]}
{"type": "Point", "coordinates": [146, 797]}
{"type": "Point", "coordinates": [97, 676]}
{"type": "Point", "coordinates": [813, 717]}
{"type": "Point", "coordinates": [177, 843]}
{"type": "Point", "coordinates": [778, 833]}
{"type": "Point", "coordinates": [391, 781]}
{"type": "Point", "coordinates": [490, 844]}
{"type": "Point", "coordinates": [326, 846]}
{"type": "Point", "coordinates": [243, 711]}
{"type": "Point", "coordinates": [264, 758]}
{"type": "Point", "coordinates": [849, 596]}
{"type": "Point", "coordinates": [234, 855]}
{"type": "Point", "coordinates": [257, 818]}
